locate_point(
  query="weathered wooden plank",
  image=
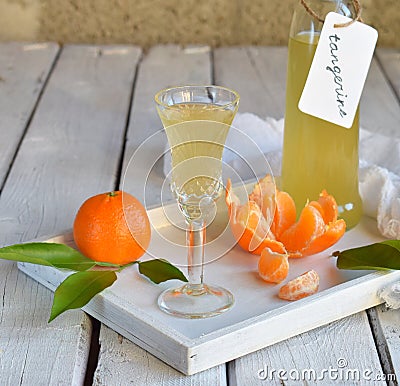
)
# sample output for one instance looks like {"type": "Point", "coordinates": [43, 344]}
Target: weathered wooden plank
{"type": "Point", "coordinates": [32, 352]}
{"type": "Point", "coordinates": [23, 71]}
{"type": "Point", "coordinates": [271, 64]}
{"type": "Point", "coordinates": [389, 58]}
{"type": "Point", "coordinates": [122, 362]}
{"type": "Point", "coordinates": [379, 111]}
{"type": "Point", "coordinates": [258, 74]}
{"type": "Point", "coordinates": [74, 143]}
{"type": "Point", "coordinates": [307, 358]}
{"type": "Point", "coordinates": [164, 66]}
{"type": "Point", "coordinates": [261, 76]}
{"type": "Point", "coordinates": [71, 150]}
{"type": "Point", "coordinates": [386, 323]}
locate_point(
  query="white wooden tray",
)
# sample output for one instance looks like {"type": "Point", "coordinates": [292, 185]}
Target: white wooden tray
{"type": "Point", "coordinates": [258, 319]}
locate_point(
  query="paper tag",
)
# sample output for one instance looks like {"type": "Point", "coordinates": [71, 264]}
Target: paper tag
{"type": "Point", "coordinates": [338, 71]}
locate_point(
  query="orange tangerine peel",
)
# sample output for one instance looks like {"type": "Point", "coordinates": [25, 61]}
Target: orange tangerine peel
{"type": "Point", "coordinates": [274, 204]}
{"type": "Point", "coordinates": [249, 226]}
{"type": "Point", "coordinates": [263, 195]}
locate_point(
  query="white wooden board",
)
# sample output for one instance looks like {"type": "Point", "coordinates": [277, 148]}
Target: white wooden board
{"type": "Point", "coordinates": [386, 323]}
{"type": "Point", "coordinates": [24, 346]}
{"type": "Point", "coordinates": [379, 109]}
{"type": "Point", "coordinates": [121, 360]}
{"type": "Point", "coordinates": [195, 345]}
{"type": "Point", "coordinates": [258, 74]}
{"type": "Point", "coordinates": [389, 59]}
{"type": "Point", "coordinates": [70, 151]}
{"type": "Point", "coordinates": [24, 68]}
{"type": "Point", "coordinates": [306, 358]}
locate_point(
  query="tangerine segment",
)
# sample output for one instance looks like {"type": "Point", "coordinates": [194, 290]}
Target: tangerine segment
{"type": "Point", "coordinates": [285, 213]}
{"type": "Point", "coordinates": [249, 226]}
{"type": "Point", "coordinates": [333, 233]}
{"type": "Point", "coordinates": [273, 267]}
{"type": "Point", "coordinates": [300, 287]}
{"type": "Point", "coordinates": [298, 236]}
{"type": "Point", "coordinates": [327, 206]}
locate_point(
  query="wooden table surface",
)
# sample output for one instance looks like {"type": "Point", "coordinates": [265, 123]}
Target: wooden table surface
{"type": "Point", "coordinates": [70, 118]}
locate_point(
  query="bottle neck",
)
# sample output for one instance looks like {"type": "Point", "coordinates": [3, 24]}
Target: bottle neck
{"type": "Point", "coordinates": [304, 21]}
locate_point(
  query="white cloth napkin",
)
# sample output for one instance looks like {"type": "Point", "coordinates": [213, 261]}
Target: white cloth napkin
{"type": "Point", "coordinates": [391, 295]}
{"type": "Point", "coordinates": [379, 173]}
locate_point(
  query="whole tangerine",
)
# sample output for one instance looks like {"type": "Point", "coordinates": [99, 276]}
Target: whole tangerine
{"type": "Point", "coordinates": [112, 228]}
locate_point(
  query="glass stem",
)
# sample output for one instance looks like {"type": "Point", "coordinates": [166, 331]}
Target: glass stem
{"type": "Point", "coordinates": [195, 239]}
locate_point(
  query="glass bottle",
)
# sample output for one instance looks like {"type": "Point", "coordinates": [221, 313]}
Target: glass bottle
{"type": "Point", "coordinates": [317, 154]}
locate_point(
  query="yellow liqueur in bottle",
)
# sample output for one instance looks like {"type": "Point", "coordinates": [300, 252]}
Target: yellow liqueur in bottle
{"type": "Point", "coordinates": [317, 154]}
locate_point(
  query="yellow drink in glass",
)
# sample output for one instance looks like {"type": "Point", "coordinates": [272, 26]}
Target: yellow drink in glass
{"type": "Point", "coordinates": [317, 154]}
{"type": "Point", "coordinates": [196, 120]}
{"type": "Point", "coordinates": [196, 134]}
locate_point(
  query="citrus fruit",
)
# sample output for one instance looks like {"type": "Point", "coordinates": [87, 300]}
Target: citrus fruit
{"type": "Point", "coordinates": [299, 235]}
{"type": "Point", "coordinates": [317, 229]}
{"type": "Point", "coordinates": [285, 213]}
{"type": "Point", "coordinates": [300, 287]}
{"type": "Point", "coordinates": [249, 226]}
{"type": "Point", "coordinates": [333, 232]}
{"type": "Point", "coordinates": [112, 228]}
{"type": "Point", "coordinates": [327, 206]}
{"type": "Point", "coordinates": [273, 267]}
{"type": "Point", "coordinates": [268, 219]}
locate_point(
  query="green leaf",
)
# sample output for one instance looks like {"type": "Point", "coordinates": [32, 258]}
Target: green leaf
{"type": "Point", "coordinates": [159, 270]}
{"type": "Point", "coordinates": [392, 243]}
{"type": "Point", "coordinates": [77, 289]}
{"type": "Point", "coordinates": [380, 256]}
{"type": "Point", "coordinates": [50, 254]}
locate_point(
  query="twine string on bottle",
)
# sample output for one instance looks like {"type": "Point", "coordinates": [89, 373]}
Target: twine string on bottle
{"type": "Point", "coordinates": [357, 9]}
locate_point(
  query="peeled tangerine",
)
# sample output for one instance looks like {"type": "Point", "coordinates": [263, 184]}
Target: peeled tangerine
{"type": "Point", "coordinates": [268, 219]}
{"type": "Point", "coordinates": [266, 225]}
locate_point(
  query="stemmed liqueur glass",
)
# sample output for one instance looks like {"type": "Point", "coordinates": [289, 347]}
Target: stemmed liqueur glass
{"type": "Point", "coordinates": [196, 120]}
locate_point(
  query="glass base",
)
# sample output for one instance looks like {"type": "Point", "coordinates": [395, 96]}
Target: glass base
{"type": "Point", "coordinates": [195, 301]}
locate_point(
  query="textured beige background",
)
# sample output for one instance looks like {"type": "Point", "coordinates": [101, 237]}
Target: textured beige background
{"type": "Point", "coordinates": [149, 22]}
